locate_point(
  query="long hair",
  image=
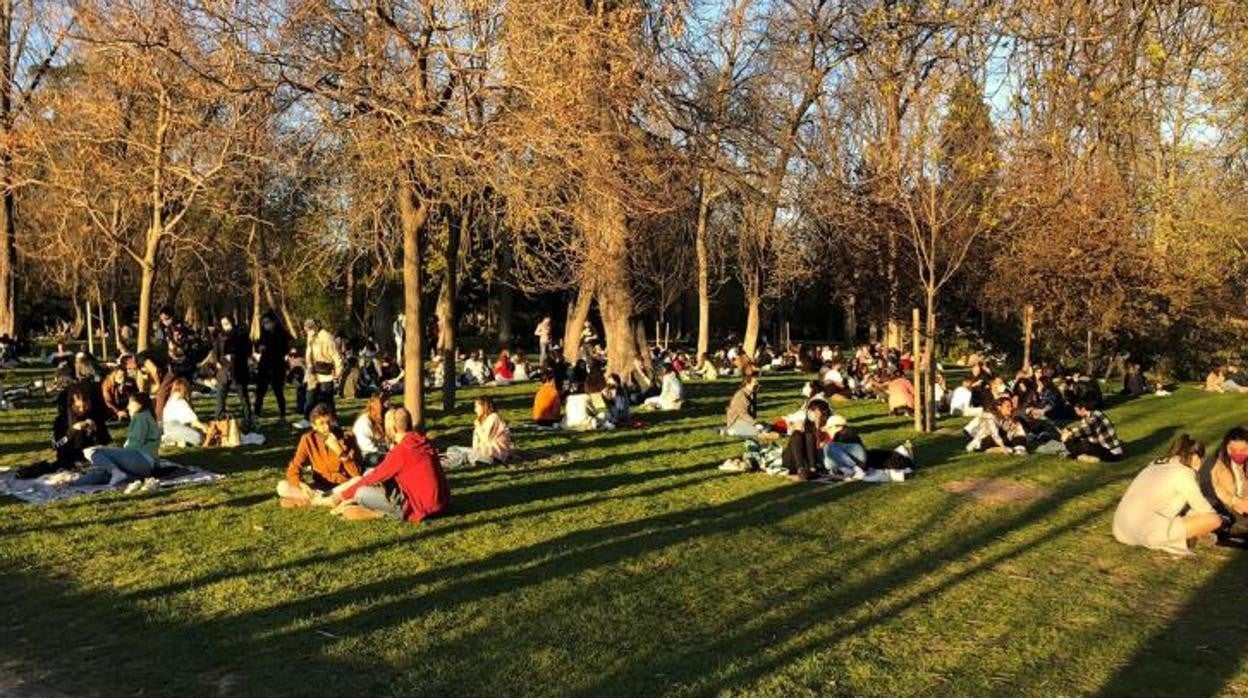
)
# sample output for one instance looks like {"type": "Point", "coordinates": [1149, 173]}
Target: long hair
{"type": "Point", "coordinates": [1235, 434]}
{"type": "Point", "coordinates": [1184, 448]}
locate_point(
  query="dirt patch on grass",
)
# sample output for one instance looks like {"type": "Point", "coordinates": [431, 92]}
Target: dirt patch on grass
{"type": "Point", "coordinates": [994, 492]}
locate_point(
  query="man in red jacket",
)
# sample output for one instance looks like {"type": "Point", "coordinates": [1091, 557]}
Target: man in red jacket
{"type": "Point", "coordinates": [409, 484]}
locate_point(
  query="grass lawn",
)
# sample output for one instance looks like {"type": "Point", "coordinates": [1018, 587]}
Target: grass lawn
{"type": "Point", "coordinates": [634, 569]}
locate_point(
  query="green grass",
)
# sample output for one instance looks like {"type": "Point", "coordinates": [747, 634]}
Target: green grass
{"type": "Point", "coordinates": [635, 569]}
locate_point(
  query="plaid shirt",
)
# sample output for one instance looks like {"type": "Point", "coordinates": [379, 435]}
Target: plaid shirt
{"type": "Point", "coordinates": [1097, 428]}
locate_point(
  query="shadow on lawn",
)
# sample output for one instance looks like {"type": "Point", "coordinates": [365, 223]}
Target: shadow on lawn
{"type": "Point", "coordinates": [1198, 651]}
{"type": "Point", "coordinates": [115, 645]}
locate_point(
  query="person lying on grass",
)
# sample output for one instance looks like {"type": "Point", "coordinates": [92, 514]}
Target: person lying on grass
{"type": "Point", "coordinates": [329, 453]}
{"type": "Point", "coordinates": [1224, 481]}
{"type": "Point", "coordinates": [491, 438]}
{"type": "Point", "coordinates": [1151, 512]}
{"type": "Point", "coordinates": [408, 485]}
{"type": "Point", "coordinates": [1093, 439]}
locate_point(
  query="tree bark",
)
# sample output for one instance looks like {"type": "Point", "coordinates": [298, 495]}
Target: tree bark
{"type": "Point", "coordinates": [413, 216]}
{"type": "Point", "coordinates": [704, 271]}
{"type": "Point", "coordinates": [1028, 320]}
{"type": "Point", "coordinates": [8, 222]}
{"type": "Point", "coordinates": [753, 309]}
{"type": "Point", "coordinates": [578, 314]}
{"type": "Point", "coordinates": [448, 311]}
{"type": "Point", "coordinates": [929, 365]}
{"type": "Point", "coordinates": [917, 371]}
{"type": "Point", "coordinates": [506, 299]}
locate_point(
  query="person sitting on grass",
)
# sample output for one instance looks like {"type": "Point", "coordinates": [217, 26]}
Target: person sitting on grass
{"type": "Point", "coordinates": [960, 401]}
{"type": "Point", "coordinates": [117, 387]}
{"type": "Point", "coordinates": [328, 452]}
{"type": "Point", "coordinates": [504, 369]}
{"type": "Point", "coordinates": [1225, 483]}
{"type": "Point", "coordinates": [742, 410]}
{"type": "Point", "coordinates": [491, 438]}
{"type": "Point", "coordinates": [671, 392]}
{"type": "Point", "coordinates": [1222, 380]}
{"type": "Point", "coordinates": [1134, 383]}
{"type": "Point", "coordinates": [521, 371]}
{"type": "Point", "coordinates": [803, 454]}
{"type": "Point", "coordinates": [135, 459]}
{"type": "Point", "coordinates": [579, 411]}
{"type": "Point", "coordinates": [1094, 439]}
{"type": "Point", "coordinates": [420, 489]}
{"type": "Point", "coordinates": [616, 400]}
{"type": "Point", "coordinates": [996, 430]}
{"type": "Point", "coordinates": [475, 371]}
{"type": "Point", "coordinates": [547, 409]}
{"type": "Point", "coordinates": [706, 368]}
{"type": "Point", "coordinates": [369, 430]}
{"type": "Point", "coordinates": [76, 428]}
{"type": "Point", "coordinates": [1163, 507]}
{"type": "Point", "coordinates": [181, 425]}
{"type": "Point", "coordinates": [900, 395]}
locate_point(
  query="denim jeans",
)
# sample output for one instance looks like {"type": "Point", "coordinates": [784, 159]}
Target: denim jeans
{"type": "Point", "coordinates": [844, 455]}
{"type": "Point", "coordinates": [106, 459]}
{"type": "Point", "coordinates": [742, 428]}
{"type": "Point", "coordinates": [375, 498]}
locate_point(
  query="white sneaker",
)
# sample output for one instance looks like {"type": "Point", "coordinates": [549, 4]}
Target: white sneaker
{"type": "Point", "coordinates": [857, 475]}
{"type": "Point", "coordinates": [134, 487]}
{"type": "Point", "coordinates": [732, 465]}
{"type": "Point", "coordinates": [151, 484]}
{"type": "Point", "coordinates": [301, 424]}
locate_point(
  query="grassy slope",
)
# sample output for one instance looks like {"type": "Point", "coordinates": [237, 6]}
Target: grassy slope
{"type": "Point", "coordinates": [635, 569]}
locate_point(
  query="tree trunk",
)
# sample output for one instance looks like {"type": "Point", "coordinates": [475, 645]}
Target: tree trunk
{"type": "Point", "coordinates": [1028, 320]}
{"type": "Point", "coordinates": [704, 271]}
{"type": "Point", "coordinates": [929, 365]}
{"type": "Point", "coordinates": [448, 312]}
{"type": "Point", "coordinates": [1088, 354]}
{"type": "Point", "coordinates": [413, 215]}
{"type": "Point", "coordinates": [753, 308]}
{"type": "Point", "coordinates": [506, 299]}
{"type": "Point", "coordinates": [851, 320]}
{"type": "Point", "coordinates": [917, 370]}
{"type": "Point", "coordinates": [146, 278]}
{"type": "Point", "coordinates": [578, 314]}
{"type": "Point", "coordinates": [8, 222]}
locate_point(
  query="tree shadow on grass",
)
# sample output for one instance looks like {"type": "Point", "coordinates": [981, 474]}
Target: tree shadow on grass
{"type": "Point", "coordinates": [1200, 649]}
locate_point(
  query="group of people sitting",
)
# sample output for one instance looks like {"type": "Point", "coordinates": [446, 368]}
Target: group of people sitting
{"type": "Point", "coordinates": [1185, 496]}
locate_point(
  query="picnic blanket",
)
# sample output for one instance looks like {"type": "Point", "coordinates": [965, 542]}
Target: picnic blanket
{"type": "Point", "coordinates": [44, 489]}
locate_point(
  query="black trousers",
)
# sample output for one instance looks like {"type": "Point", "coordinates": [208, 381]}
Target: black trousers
{"type": "Point", "coordinates": [276, 380]}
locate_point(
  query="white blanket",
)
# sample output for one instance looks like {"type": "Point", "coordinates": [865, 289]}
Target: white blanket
{"type": "Point", "coordinates": [42, 490]}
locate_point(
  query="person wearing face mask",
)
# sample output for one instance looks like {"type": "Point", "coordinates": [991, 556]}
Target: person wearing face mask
{"type": "Point", "coordinates": [1223, 480]}
{"type": "Point", "coordinates": [271, 350]}
{"type": "Point", "coordinates": [233, 350]}
{"type": "Point", "coordinates": [408, 485]}
{"type": "Point", "coordinates": [1163, 507]}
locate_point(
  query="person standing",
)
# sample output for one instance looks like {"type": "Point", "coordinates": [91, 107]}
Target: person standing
{"type": "Point", "coordinates": [271, 351]}
{"type": "Point", "coordinates": [233, 349]}
{"type": "Point", "coordinates": [323, 367]}
{"type": "Point", "coordinates": [543, 333]}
